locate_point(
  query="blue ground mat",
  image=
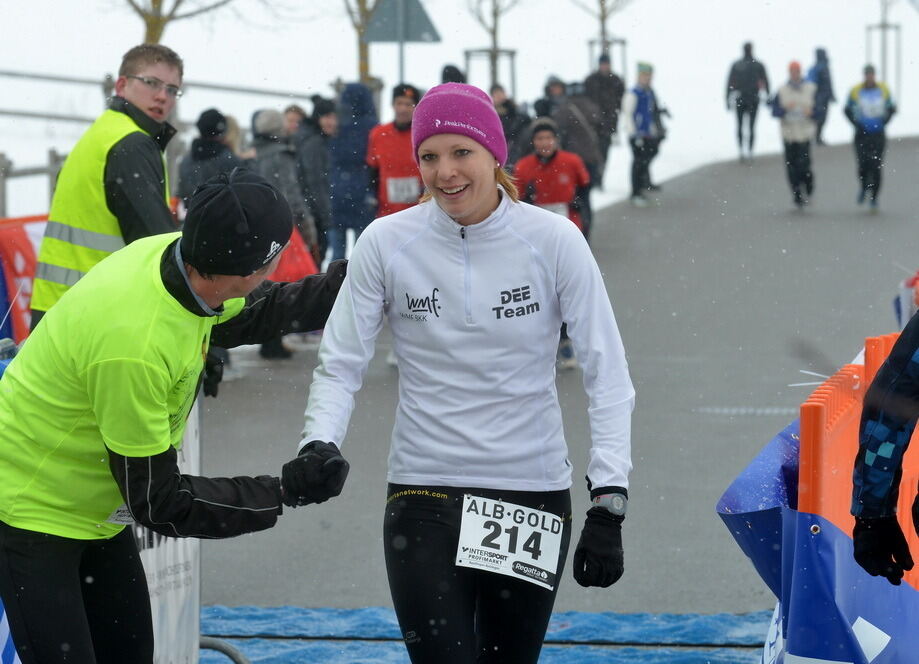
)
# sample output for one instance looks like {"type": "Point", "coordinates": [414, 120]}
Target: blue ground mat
{"type": "Point", "coordinates": [286, 635]}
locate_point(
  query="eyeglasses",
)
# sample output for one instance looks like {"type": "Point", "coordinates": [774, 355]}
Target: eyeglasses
{"type": "Point", "coordinates": [156, 85]}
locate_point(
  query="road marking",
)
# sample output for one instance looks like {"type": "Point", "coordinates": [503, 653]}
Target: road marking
{"type": "Point", "coordinates": [745, 410]}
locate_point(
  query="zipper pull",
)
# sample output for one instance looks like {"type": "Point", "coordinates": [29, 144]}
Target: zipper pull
{"type": "Point", "coordinates": [463, 232]}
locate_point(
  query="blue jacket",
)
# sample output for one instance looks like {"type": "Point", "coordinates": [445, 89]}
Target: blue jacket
{"type": "Point", "coordinates": [349, 175]}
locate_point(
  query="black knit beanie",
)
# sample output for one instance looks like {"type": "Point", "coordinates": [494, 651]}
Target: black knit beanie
{"type": "Point", "coordinates": [237, 222]}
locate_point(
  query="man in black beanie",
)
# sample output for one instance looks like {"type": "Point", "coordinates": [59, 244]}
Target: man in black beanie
{"type": "Point", "coordinates": [209, 155]}
{"type": "Point", "coordinates": [89, 444]}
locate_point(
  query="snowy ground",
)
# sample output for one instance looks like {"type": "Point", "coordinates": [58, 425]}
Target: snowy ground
{"type": "Point", "coordinates": [690, 43]}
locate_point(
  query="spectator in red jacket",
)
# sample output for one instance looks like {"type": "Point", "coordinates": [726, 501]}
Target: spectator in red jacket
{"type": "Point", "coordinates": [552, 178]}
{"type": "Point", "coordinates": [394, 173]}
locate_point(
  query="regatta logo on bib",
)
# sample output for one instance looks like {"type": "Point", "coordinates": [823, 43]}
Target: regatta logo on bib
{"type": "Point", "coordinates": [512, 296]}
{"type": "Point", "coordinates": [419, 308]}
{"type": "Point", "coordinates": [530, 571]}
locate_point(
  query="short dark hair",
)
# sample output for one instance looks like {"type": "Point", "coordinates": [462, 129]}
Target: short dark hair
{"type": "Point", "coordinates": [149, 54]}
{"type": "Point", "coordinates": [296, 108]}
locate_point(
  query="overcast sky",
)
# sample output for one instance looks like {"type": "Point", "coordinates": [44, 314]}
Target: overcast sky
{"type": "Point", "coordinates": [691, 44]}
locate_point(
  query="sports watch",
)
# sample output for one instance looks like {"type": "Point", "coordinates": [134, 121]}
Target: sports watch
{"type": "Point", "coordinates": [615, 503]}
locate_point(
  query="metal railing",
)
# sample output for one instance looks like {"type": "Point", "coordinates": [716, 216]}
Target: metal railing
{"type": "Point", "coordinates": [8, 172]}
{"type": "Point", "coordinates": [176, 148]}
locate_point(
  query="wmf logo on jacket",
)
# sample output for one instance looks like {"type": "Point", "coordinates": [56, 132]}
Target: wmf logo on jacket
{"type": "Point", "coordinates": [419, 308]}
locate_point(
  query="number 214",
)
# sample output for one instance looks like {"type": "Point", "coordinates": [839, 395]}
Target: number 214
{"type": "Point", "coordinates": [531, 545]}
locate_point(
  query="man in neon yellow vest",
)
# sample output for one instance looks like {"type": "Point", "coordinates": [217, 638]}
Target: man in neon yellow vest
{"type": "Point", "coordinates": [112, 188]}
{"type": "Point", "coordinates": [93, 408]}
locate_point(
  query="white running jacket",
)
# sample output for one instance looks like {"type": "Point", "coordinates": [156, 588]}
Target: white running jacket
{"type": "Point", "coordinates": [475, 314]}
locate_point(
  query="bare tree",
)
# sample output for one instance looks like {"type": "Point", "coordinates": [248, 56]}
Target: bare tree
{"type": "Point", "coordinates": [488, 13]}
{"type": "Point", "coordinates": [156, 16]}
{"type": "Point", "coordinates": [602, 10]}
{"type": "Point", "coordinates": [360, 11]}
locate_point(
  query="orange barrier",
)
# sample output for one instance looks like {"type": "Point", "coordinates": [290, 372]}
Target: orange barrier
{"type": "Point", "coordinates": [17, 260]}
{"type": "Point", "coordinates": [829, 442]}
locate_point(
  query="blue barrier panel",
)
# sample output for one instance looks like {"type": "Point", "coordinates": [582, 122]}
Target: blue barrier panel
{"type": "Point", "coordinates": [831, 611]}
{"type": "Point", "coordinates": [346, 636]}
{"type": "Point", "coordinates": [266, 651]}
{"type": "Point", "coordinates": [6, 329]}
{"type": "Point", "coordinates": [288, 622]}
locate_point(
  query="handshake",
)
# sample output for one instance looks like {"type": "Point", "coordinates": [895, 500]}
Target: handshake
{"type": "Point", "coordinates": [317, 474]}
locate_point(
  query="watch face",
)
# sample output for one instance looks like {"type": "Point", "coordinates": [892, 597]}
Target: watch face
{"type": "Point", "coordinates": [615, 503]}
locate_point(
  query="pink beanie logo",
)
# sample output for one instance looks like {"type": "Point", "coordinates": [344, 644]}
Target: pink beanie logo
{"type": "Point", "coordinates": [457, 108]}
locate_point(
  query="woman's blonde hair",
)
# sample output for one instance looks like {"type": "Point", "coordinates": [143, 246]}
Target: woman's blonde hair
{"type": "Point", "coordinates": [504, 179]}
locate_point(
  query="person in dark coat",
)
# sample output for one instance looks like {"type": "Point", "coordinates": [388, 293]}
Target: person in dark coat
{"type": "Point", "coordinates": [553, 97]}
{"type": "Point", "coordinates": [746, 80]}
{"type": "Point", "coordinates": [276, 161]}
{"type": "Point", "coordinates": [452, 74]}
{"type": "Point", "coordinates": [349, 175]}
{"type": "Point", "coordinates": [515, 122]}
{"type": "Point", "coordinates": [577, 118]}
{"type": "Point", "coordinates": [209, 154]}
{"type": "Point", "coordinates": [313, 164]}
{"type": "Point", "coordinates": [819, 74]}
{"type": "Point", "coordinates": [605, 89]}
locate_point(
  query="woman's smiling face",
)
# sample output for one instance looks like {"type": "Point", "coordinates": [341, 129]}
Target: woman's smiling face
{"type": "Point", "coordinates": [460, 174]}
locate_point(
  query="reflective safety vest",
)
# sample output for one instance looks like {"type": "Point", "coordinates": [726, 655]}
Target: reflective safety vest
{"type": "Point", "coordinates": [81, 229]}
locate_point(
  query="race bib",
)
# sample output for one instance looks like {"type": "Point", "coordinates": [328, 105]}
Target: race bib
{"type": "Point", "coordinates": [509, 539]}
{"type": "Point", "coordinates": [403, 190]}
{"type": "Point", "coordinates": [121, 515]}
{"type": "Point", "coordinates": [557, 208]}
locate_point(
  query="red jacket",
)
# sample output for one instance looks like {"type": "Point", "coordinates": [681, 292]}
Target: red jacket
{"type": "Point", "coordinates": [389, 151]}
{"type": "Point", "coordinates": [552, 184]}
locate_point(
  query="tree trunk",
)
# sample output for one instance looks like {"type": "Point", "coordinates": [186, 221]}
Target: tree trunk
{"type": "Point", "coordinates": [364, 11]}
{"type": "Point", "coordinates": [604, 35]}
{"type": "Point", "coordinates": [493, 55]}
{"type": "Point", "coordinates": [155, 26]}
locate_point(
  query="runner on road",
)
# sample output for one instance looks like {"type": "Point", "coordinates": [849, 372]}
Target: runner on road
{"type": "Point", "coordinates": [475, 286]}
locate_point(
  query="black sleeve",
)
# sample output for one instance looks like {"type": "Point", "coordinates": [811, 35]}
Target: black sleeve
{"type": "Point", "coordinates": [374, 185]}
{"type": "Point", "coordinates": [275, 309]}
{"type": "Point", "coordinates": [134, 180]}
{"type": "Point", "coordinates": [176, 505]}
{"type": "Point", "coordinates": [889, 414]}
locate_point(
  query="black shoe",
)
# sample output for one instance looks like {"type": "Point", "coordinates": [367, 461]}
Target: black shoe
{"type": "Point", "coordinates": [799, 199]}
{"type": "Point", "coordinates": [654, 187]}
{"type": "Point", "coordinates": [275, 350]}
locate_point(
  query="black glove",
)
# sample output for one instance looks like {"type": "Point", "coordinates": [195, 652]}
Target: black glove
{"type": "Point", "coordinates": [213, 372]}
{"type": "Point", "coordinates": [317, 474]}
{"type": "Point", "coordinates": [916, 513]}
{"type": "Point", "coordinates": [598, 556]}
{"type": "Point", "coordinates": [881, 548]}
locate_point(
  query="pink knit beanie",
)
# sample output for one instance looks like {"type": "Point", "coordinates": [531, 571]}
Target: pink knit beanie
{"type": "Point", "coordinates": [457, 108]}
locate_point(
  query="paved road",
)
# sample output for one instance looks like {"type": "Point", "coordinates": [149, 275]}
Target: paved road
{"type": "Point", "coordinates": [723, 294]}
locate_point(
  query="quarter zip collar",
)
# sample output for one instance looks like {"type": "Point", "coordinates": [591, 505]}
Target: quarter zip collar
{"type": "Point", "coordinates": [493, 223]}
{"type": "Point", "coordinates": [161, 132]}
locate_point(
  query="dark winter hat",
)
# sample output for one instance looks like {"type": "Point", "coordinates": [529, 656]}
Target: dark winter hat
{"type": "Point", "coordinates": [237, 222]}
{"type": "Point", "coordinates": [322, 106]}
{"type": "Point", "coordinates": [457, 108]}
{"type": "Point", "coordinates": [452, 74]}
{"type": "Point", "coordinates": [544, 123]}
{"type": "Point", "coordinates": [406, 90]}
{"type": "Point", "coordinates": [211, 123]}
{"type": "Point", "coordinates": [604, 59]}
